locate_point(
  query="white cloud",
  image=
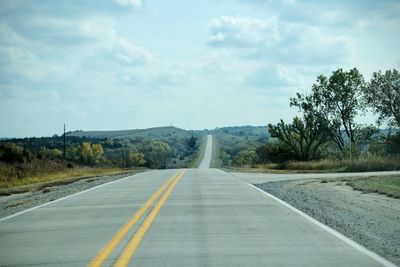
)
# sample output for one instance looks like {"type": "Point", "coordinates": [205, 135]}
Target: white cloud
{"type": "Point", "coordinates": [131, 3]}
{"type": "Point", "coordinates": [107, 38]}
{"type": "Point", "coordinates": [96, 48]}
{"type": "Point", "coordinates": [131, 53]}
{"type": "Point", "coordinates": [23, 62]}
{"type": "Point", "coordinates": [283, 42]}
{"type": "Point", "coordinates": [288, 74]}
{"type": "Point", "coordinates": [314, 45]}
{"type": "Point", "coordinates": [273, 77]}
{"type": "Point", "coordinates": [8, 36]}
{"type": "Point", "coordinates": [315, 37]}
{"type": "Point", "coordinates": [98, 29]}
{"type": "Point", "coordinates": [236, 31]}
{"type": "Point", "coordinates": [22, 58]}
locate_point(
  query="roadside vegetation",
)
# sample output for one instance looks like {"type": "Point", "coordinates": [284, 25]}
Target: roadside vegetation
{"type": "Point", "coordinates": [362, 164]}
{"type": "Point", "coordinates": [36, 160]}
{"type": "Point", "coordinates": [327, 136]}
{"type": "Point", "coordinates": [46, 172]}
{"type": "Point", "coordinates": [387, 185]}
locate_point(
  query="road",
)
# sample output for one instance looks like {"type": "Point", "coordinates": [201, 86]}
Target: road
{"type": "Point", "coordinates": [205, 163]}
{"type": "Point", "coordinates": [193, 217]}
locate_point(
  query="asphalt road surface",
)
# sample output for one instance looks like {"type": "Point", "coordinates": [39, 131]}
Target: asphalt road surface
{"type": "Point", "coordinates": [205, 163]}
{"type": "Point", "coordinates": [194, 217]}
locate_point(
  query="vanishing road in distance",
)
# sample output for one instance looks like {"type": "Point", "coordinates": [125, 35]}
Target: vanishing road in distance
{"type": "Point", "coordinates": [193, 217]}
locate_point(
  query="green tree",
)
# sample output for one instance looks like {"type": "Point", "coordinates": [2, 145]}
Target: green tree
{"type": "Point", "coordinates": [55, 153]}
{"type": "Point", "coordinates": [225, 157]}
{"type": "Point", "coordinates": [335, 102]}
{"type": "Point", "coordinates": [274, 152]}
{"type": "Point", "coordinates": [11, 153]}
{"type": "Point", "coordinates": [304, 138]}
{"type": "Point", "coordinates": [383, 94]}
{"type": "Point", "coordinates": [158, 154]}
{"type": "Point", "coordinates": [393, 142]}
{"type": "Point", "coordinates": [42, 153]}
{"type": "Point", "coordinates": [135, 158]}
{"type": "Point", "coordinates": [45, 153]}
{"type": "Point", "coordinates": [192, 142]}
{"type": "Point", "coordinates": [377, 148]}
{"type": "Point", "coordinates": [74, 153]}
{"type": "Point", "coordinates": [246, 157]}
{"type": "Point", "coordinates": [86, 152]}
{"type": "Point", "coordinates": [97, 152]}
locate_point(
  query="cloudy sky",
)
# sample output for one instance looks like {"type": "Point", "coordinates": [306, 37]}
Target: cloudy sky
{"type": "Point", "coordinates": [123, 64]}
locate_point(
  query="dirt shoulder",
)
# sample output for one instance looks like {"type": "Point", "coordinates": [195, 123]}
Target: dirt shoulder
{"type": "Point", "coordinates": [35, 195]}
{"type": "Point", "coordinates": [372, 220]}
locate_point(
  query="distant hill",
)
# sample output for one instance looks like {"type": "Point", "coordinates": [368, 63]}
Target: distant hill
{"type": "Point", "coordinates": [156, 132]}
{"type": "Point", "coordinates": [259, 131]}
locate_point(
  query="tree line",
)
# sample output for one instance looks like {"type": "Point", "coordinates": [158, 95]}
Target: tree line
{"type": "Point", "coordinates": [329, 115]}
{"type": "Point", "coordinates": [121, 152]}
{"type": "Point", "coordinates": [327, 128]}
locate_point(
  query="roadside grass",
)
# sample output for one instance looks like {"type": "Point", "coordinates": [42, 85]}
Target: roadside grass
{"type": "Point", "coordinates": [386, 185]}
{"type": "Point", "coordinates": [357, 165]}
{"type": "Point", "coordinates": [24, 174]}
{"type": "Point", "coordinates": [216, 161]}
{"type": "Point", "coordinates": [328, 165]}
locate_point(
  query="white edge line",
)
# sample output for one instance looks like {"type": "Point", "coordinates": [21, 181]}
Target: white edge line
{"type": "Point", "coordinates": [74, 194]}
{"type": "Point", "coordinates": [333, 232]}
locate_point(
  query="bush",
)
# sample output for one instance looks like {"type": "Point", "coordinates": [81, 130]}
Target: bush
{"type": "Point", "coordinates": [45, 153]}
{"type": "Point", "coordinates": [12, 153]}
{"type": "Point", "coordinates": [246, 157]}
{"type": "Point", "coordinates": [134, 158]}
{"type": "Point", "coordinates": [376, 148]}
{"type": "Point", "coordinates": [157, 154]}
{"type": "Point", "coordinates": [273, 152]}
{"type": "Point", "coordinates": [394, 144]}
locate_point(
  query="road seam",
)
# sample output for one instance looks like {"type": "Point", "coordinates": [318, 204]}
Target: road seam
{"type": "Point", "coordinates": [72, 195]}
{"type": "Point", "coordinates": [328, 229]}
{"type": "Point", "coordinates": [102, 255]}
{"type": "Point", "coordinates": [126, 256]}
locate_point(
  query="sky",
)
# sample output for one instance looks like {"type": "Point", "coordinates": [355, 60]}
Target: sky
{"type": "Point", "coordinates": [127, 64]}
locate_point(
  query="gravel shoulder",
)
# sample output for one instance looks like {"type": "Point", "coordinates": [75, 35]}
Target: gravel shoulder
{"type": "Point", "coordinates": [14, 203]}
{"type": "Point", "coordinates": [258, 178]}
{"type": "Point", "coordinates": [372, 220]}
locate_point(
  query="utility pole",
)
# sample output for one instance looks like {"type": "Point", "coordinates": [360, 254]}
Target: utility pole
{"type": "Point", "coordinates": [64, 141]}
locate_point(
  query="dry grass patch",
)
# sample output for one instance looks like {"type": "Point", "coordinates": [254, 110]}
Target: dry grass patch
{"type": "Point", "coordinates": [387, 185]}
{"type": "Point", "coordinates": [37, 173]}
{"type": "Point", "coordinates": [331, 165]}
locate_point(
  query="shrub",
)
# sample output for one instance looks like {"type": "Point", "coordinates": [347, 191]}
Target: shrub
{"type": "Point", "coordinates": [273, 152]}
{"type": "Point", "coordinates": [11, 153]}
{"type": "Point", "coordinates": [246, 157]}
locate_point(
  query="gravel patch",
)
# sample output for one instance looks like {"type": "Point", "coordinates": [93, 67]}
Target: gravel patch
{"type": "Point", "coordinates": [18, 202]}
{"type": "Point", "coordinates": [372, 220]}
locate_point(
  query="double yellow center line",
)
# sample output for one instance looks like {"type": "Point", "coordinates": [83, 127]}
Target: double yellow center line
{"type": "Point", "coordinates": [134, 242]}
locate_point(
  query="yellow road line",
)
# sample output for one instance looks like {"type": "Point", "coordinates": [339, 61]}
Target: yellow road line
{"type": "Point", "coordinates": [128, 252]}
{"type": "Point", "coordinates": [113, 243]}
